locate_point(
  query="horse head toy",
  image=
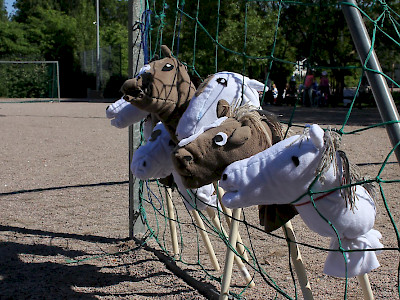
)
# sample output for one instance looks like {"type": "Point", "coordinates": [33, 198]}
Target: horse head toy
{"type": "Point", "coordinates": [153, 160]}
{"type": "Point", "coordinates": [236, 89]}
{"type": "Point", "coordinates": [201, 158]}
{"type": "Point", "coordinates": [163, 88]}
{"type": "Point", "coordinates": [123, 114]}
{"type": "Point", "coordinates": [288, 171]}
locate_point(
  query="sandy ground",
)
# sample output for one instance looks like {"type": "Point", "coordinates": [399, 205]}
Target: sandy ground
{"type": "Point", "coordinates": [64, 216]}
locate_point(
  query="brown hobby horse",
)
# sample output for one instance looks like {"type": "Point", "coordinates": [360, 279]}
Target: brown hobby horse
{"type": "Point", "coordinates": [164, 90]}
{"type": "Point", "coordinates": [242, 134]}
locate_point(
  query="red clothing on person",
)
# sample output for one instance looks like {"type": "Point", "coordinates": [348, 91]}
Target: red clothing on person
{"type": "Point", "coordinates": [324, 81]}
{"type": "Point", "coordinates": [309, 80]}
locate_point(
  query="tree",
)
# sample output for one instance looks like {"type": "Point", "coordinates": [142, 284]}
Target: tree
{"type": "Point", "coordinates": [3, 12]}
{"type": "Point", "coordinates": [62, 29]}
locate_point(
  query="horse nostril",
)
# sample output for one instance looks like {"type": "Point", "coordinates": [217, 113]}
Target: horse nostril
{"type": "Point", "coordinates": [188, 158]}
{"type": "Point", "coordinates": [144, 164]}
{"type": "Point", "coordinates": [224, 177]}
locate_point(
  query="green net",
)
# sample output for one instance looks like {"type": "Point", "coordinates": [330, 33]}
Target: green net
{"type": "Point", "coordinates": [277, 42]}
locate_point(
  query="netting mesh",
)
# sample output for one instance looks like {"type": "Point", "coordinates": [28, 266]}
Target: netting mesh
{"type": "Point", "coordinates": [251, 37]}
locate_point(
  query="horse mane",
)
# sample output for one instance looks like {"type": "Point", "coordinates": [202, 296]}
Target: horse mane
{"type": "Point", "coordinates": [250, 113]}
{"type": "Point", "coordinates": [350, 172]}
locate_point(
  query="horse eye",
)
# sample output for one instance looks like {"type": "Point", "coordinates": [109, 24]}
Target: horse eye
{"type": "Point", "coordinates": [222, 81]}
{"type": "Point", "coordinates": [295, 160]}
{"type": "Point", "coordinates": [220, 138]}
{"type": "Point", "coordinates": [167, 67]}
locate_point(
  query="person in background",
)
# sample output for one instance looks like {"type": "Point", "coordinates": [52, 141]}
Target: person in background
{"type": "Point", "coordinates": [291, 92]}
{"type": "Point", "coordinates": [275, 94]}
{"type": "Point", "coordinates": [308, 84]}
{"type": "Point", "coordinates": [324, 89]}
{"type": "Point", "coordinates": [362, 96]}
{"type": "Point", "coordinates": [316, 94]}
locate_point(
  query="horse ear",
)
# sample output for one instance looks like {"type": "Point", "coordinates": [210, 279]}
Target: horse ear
{"type": "Point", "coordinates": [240, 135]}
{"type": "Point", "coordinates": [317, 136]}
{"type": "Point", "coordinates": [223, 109]}
{"type": "Point", "coordinates": [165, 50]}
{"type": "Point", "coordinates": [155, 57]}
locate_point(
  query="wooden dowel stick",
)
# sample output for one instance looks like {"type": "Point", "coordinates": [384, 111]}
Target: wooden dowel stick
{"type": "Point", "coordinates": [366, 287]}
{"type": "Point", "coordinates": [172, 225]}
{"type": "Point", "coordinates": [228, 216]}
{"type": "Point", "coordinates": [230, 255]}
{"type": "Point", "coordinates": [206, 240]}
{"type": "Point", "coordinates": [297, 261]}
{"type": "Point", "coordinates": [243, 270]}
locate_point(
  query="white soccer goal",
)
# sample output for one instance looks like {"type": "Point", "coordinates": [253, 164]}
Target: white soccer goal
{"type": "Point", "coordinates": [31, 80]}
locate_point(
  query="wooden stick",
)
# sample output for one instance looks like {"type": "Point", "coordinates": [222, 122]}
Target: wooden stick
{"type": "Point", "coordinates": [366, 287]}
{"type": "Point", "coordinates": [226, 277]}
{"type": "Point", "coordinates": [243, 270]}
{"type": "Point", "coordinates": [206, 240]}
{"type": "Point", "coordinates": [172, 225]}
{"type": "Point", "coordinates": [297, 261]}
{"type": "Point", "coordinates": [228, 217]}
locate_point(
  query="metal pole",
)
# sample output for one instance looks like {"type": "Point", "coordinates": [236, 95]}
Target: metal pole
{"type": "Point", "coordinates": [136, 226]}
{"type": "Point", "coordinates": [58, 81]}
{"type": "Point", "coordinates": [379, 86]}
{"type": "Point", "coordinates": [97, 47]}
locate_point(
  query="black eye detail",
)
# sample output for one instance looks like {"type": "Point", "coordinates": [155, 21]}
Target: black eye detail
{"type": "Point", "coordinates": [167, 67]}
{"type": "Point", "coordinates": [220, 138]}
{"type": "Point", "coordinates": [222, 81]}
{"type": "Point", "coordinates": [295, 160]}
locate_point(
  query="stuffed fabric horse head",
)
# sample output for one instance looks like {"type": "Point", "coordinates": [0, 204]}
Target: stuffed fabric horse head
{"type": "Point", "coordinates": [124, 114]}
{"type": "Point", "coordinates": [164, 88]}
{"type": "Point", "coordinates": [236, 89]}
{"type": "Point", "coordinates": [201, 158]}
{"type": "Point", "coordinates": [283, 174]}
{"type": "Point", "coordinates": [153, 160]}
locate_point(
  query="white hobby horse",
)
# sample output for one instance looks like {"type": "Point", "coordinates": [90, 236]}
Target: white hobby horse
{"type": "Point", "coordinates": [153, 160]}
{"type": "Point", "coordinates": [285, 172]}
{"type": "Point", "coordinates": [236, 89]}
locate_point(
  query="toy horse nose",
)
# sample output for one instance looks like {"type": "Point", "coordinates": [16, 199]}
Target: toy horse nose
{"type": "Point", "coordinates": [183, 155]}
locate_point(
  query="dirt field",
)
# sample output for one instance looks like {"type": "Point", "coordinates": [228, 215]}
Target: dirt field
{"type": "Point", "coordinates": [64, 196]}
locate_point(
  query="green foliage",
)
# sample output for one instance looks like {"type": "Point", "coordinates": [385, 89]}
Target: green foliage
{"type": "Point", "coordinates": [28, 81]}
{"type": "Point", "coordinates": [53, 33]}
{"type": "Point", "coordinates": [3, 12]}
{"type": "Point", "coordinates": [60, 30]}
{"type": "Point", "coordinates": [13, 41]}
{"type": "Point", "coordinates": [219, 44]}
{"type": "Point", "coordinates": [261, 39]}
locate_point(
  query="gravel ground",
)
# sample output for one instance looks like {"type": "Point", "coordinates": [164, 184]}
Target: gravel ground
{"type": "Point", "coordinates": [64, 216]}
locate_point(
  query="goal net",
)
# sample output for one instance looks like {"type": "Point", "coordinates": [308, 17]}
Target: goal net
{"type": "Point", "coordinates": [30, 80]}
